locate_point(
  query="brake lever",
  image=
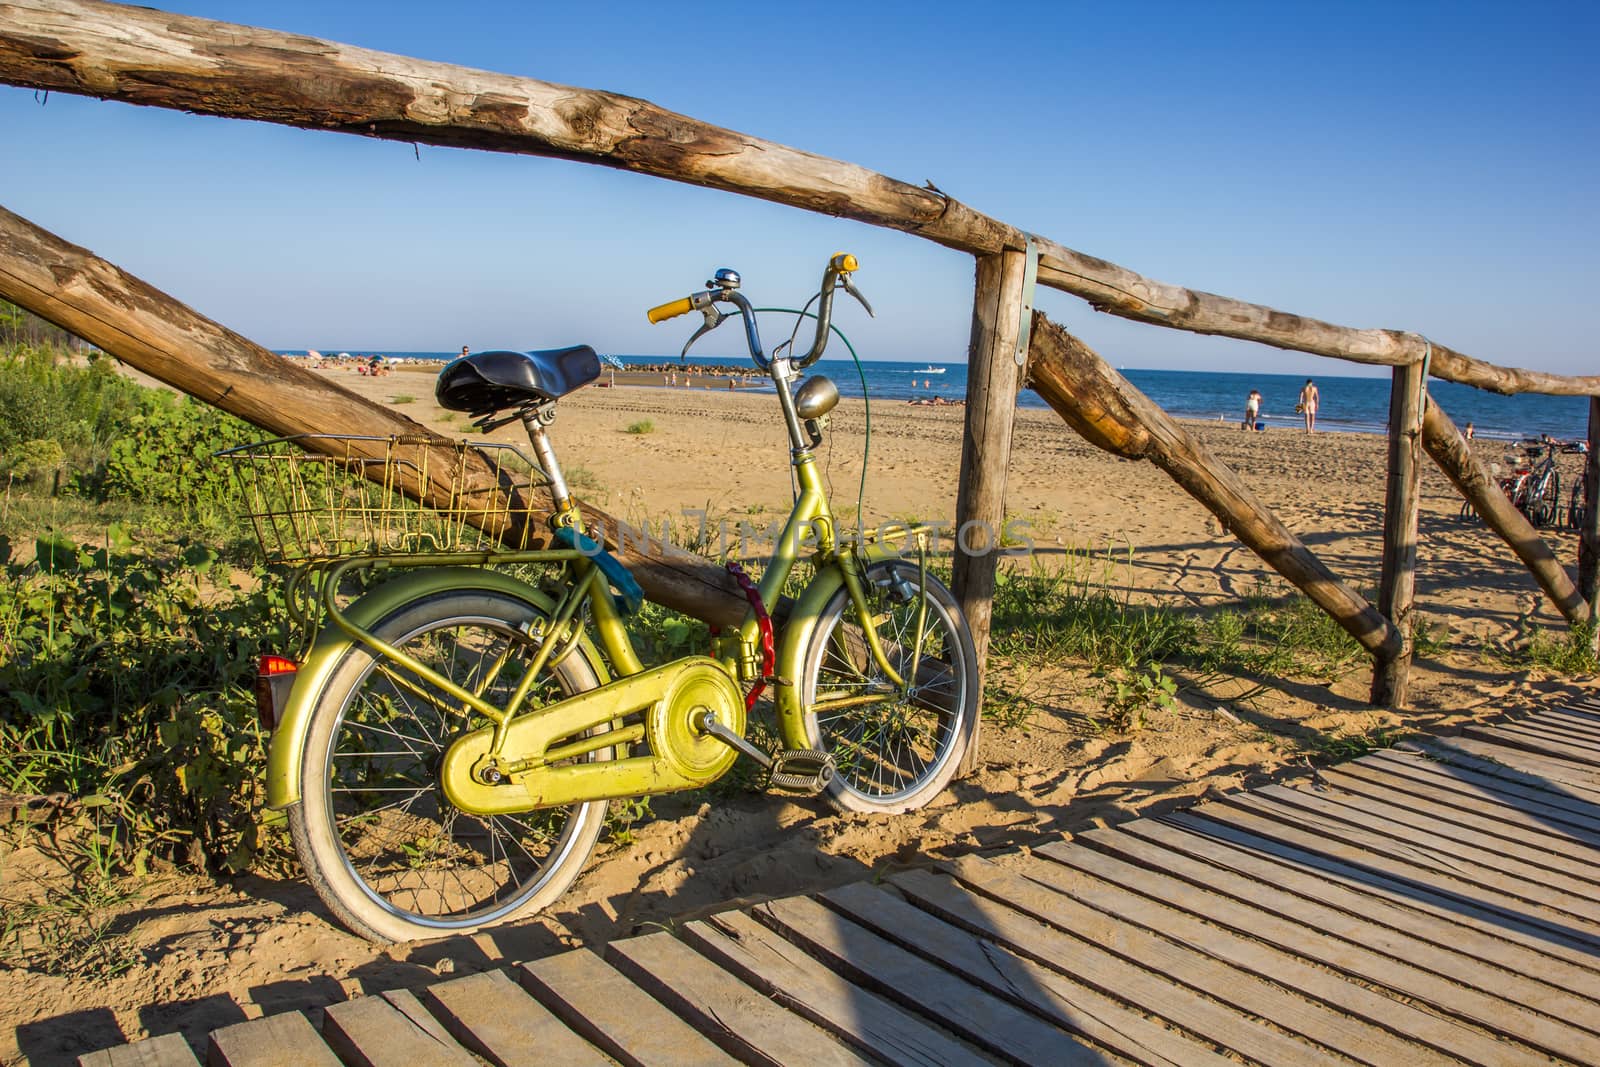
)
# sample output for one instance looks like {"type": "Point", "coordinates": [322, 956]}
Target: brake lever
{"type": "Point", "coordinates": [714, 318]}
{"type": "Point", "coordinates": [853, 291]}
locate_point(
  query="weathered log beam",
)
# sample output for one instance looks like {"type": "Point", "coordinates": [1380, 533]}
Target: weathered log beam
{"type": "Point", "coordinates": [1589, 530]}
{"type": "Point", "coordinates": [1397, 584]}
{"type": "Point", "coordinates": [148, 329]}
{"type": "Point", "coordinates": [993, 378]}
{"type": "Point", "coordinates": [142, 56]}
{"type": "Point", "coordinates": [1111, 414]}
{"type": "Point", "coordinates": [1451, 452]}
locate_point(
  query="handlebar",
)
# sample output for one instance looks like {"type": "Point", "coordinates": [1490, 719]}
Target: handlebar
{"type": "Point", "coordinates": [724, 289]}
{"type": "Point", "coordinates": [672, 310]}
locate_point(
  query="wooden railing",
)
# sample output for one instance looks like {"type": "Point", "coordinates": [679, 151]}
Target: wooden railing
{"type": "Point", "coordinates": [148, 57]}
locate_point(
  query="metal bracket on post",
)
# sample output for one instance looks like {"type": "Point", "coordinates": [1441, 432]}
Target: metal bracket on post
{"type": "Point", "coordinates": [1030, 282]}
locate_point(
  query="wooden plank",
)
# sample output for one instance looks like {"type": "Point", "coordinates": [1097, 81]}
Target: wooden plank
{"type": "Point", "coordinates": [1150, 897]}
{"type": "Point", "coordinates": [1533, 741]}
{"type": "Point", "coordinates": [371, 1032]}
{"type": "Point", "coordinates": [1586, 722]}
{"type": "Point", "coordinates": [1361, 1023]}
{"type": "Point", "coordinates": [1461, 824]}
{"type": "Point", "coordinates": [1395, 841]}
{"type": "Point", "coordinates": [744, 1023]}
{"type": "Point", "coordinates": [1081, 946]}
{"type": "Point", "coordinates": [1586, 712]}
{"type": "Point", "coordinates": [1537, 800]}
{"type": "Point", "coordinates": [863, 1019]}
{"type": "Point", "coordinates": [491, 1015]}
{"type": "Point", "coordinates": [274, 1041]}
{"type": "Point", "coordinates": [1586, 740]}
{"type": "Point", "coordinates": [616, 1016]}
{"type": "Point", "coordinates": [1397, 582]}
{"type": "Point", "coordinates": [167, 1050]}
{"type": "Point", "coordinates": [1473, 809]}
{"type": "Point", "coordinates": [1396, 878]}
{"type": "Point", "coordinates": [1492, 762]}
{"type": "Point", "coordinates": [1047, 993]}
{"type": "Point", "coordinates": [993, 378]}
{"type": "Point", "coordinates": [948, 1000]}
{"type": "Point", "coordinates": [1313, 891]}
{"type": "Point", "coordinates": [1561, 773]}
{"type": "Point", "coordinates": [1505, 869]}
{"type": "Point", "coordinates": [406, 1003]}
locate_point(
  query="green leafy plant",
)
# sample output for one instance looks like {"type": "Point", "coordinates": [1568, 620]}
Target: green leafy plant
{"type": "Point", "coordinates": [643, 426]}
{"type": "Point", "coordinates": [1130, 695]}
{"type": "Point", "coordinates": [624, 816]}
{"type": "Point", "coordinates": [130, 678]}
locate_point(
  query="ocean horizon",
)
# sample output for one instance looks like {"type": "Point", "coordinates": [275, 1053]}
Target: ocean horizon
{"type": "Point", "coordinates": [1349, 404]}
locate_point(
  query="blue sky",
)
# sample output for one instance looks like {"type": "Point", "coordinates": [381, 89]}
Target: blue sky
{"type": "Point", "coordinates": [1420, 166]}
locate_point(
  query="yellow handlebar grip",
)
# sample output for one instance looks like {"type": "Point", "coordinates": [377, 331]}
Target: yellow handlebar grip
{"type": "Point", "coordinates": [671, 311]}
{"type": "Point", "coordinates": [844, 263]}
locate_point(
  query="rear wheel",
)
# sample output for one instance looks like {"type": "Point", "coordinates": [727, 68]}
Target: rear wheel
{"type": "Point", "coordinates": [1547, 506]}
{"type": "Point", "coordinates": [892, 751]}
{"type": "Point", "coordinates": [380, 843]}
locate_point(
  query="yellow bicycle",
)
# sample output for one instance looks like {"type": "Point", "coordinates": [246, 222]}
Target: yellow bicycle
{"type": "Point", "coordinates": [447, 747]}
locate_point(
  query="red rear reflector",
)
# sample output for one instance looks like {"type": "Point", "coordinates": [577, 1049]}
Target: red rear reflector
{"type": "Point", "coordinates": [274, 679]}
{"type": "Point", "coordinates": [271, 665]}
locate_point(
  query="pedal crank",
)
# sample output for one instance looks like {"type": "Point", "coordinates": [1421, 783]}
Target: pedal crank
{"type": "Point", "coordinates": [791, 770]}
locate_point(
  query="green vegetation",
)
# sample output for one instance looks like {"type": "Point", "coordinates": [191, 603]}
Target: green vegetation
{"type": "Point", "coordinates": [1080, 612]}
{"type": "Point", "coordinates": [1567, 652]}
{"type": "Point", "coordinates": [643, 426]}
{"type": "Point", "coordinates": [1336, 748]}
{"type": "Point", "coordinates": [126, 647]}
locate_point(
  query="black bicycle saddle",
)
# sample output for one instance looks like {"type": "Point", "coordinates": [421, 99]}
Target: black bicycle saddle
{"type": "Point", "coordinates": [486, 382]}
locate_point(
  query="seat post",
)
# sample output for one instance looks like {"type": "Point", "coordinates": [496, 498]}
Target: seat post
{"type": "Point", "coordinates": [534, 422]}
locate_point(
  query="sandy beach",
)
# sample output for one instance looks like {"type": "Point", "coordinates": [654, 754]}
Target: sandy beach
{"type": "Point", "coordinates": [220, 953]}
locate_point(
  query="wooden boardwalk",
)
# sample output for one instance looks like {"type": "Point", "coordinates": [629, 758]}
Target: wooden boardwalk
{"type": "Point", "coordinates": [1438, 905]}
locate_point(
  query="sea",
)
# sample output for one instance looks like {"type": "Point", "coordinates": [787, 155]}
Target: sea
{"type": "Point", "coordinates": [1355, 405]}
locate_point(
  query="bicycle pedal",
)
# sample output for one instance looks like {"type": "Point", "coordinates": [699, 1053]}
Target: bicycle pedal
{"type": "Point", "coordinates": [802, 770]}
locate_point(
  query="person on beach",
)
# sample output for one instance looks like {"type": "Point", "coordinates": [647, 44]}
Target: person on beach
{"type": "Point", "coordinates": [1252, 408]}
{"type": "Point", "coordinates": [464, 351]}
{"type": "Point", "coordinates": [1470, 431]}
{"type": "Point", "coordinates": [1308, 405]}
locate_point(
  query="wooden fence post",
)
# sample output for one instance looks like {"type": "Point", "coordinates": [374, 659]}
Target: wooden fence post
{"type": "Point", "coordinates": [1589, 535]}
{"type": "Point", "coordinates": [993, 377]}
{"type": "Point", "coordinates": [1398, 585]}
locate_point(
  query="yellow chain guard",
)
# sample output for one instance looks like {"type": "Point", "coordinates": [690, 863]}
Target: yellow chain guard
{"type": "Point", "coordinates": [680, 757]}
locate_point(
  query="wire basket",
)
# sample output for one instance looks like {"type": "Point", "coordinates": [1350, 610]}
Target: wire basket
{"type": "Point", "coordinates": [315, 498]}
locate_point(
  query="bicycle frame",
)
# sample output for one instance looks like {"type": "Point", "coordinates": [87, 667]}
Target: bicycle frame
{"type": "Point", "coordinates": [564, 630]}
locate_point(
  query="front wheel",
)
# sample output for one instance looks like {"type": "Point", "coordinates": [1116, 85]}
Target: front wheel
{"type": "Point", "coordinates": [894, 750]}
{"type": "Point", "coordinates": [382, 846]}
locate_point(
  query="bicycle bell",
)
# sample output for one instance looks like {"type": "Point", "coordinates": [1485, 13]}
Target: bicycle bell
{"type": "Point", "coordinates": [725, 279]}
{"type": "Point", "coordinates": [816, 397]}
